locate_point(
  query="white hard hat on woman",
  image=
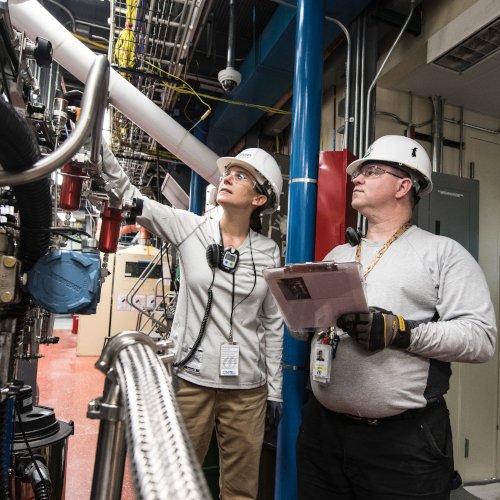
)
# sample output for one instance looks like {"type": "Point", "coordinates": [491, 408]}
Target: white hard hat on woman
{"type": "Point", "coordinates": [264, 168]}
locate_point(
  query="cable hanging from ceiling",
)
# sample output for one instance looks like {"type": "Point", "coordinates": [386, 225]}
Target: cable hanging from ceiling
{"type": "Point", "coordinates": [124, 53]}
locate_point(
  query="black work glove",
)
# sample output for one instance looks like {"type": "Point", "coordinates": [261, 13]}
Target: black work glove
{"type": "Point", "coordinates": [377, 329]}
{"type": "Point", "coordinates": [273, 417]}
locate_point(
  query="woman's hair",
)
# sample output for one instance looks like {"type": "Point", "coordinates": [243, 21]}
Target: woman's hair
{"type": "Point", "coordinates": [256, 220]}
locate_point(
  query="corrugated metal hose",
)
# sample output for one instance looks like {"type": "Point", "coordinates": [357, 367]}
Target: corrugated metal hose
{"type": "Point", "coordinates": [163, 462]}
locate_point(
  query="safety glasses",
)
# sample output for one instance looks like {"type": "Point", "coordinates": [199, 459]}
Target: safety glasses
{"type": "Point", "coordinates": [372, 170]}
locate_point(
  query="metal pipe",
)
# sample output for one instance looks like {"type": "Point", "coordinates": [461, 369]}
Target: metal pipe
{"type": "Point", "coordinates": [93, 92]}
{"type": "Point", "coordinates": [402, 122]}
{"type": "Point", "coordinates": [362, 109]}
{"type": "Point", "coordinates": [30, 16]}
{"type": "Point", "coordinates": [410, 108]}
{"type": "Point", "coordinates": [437, 133]}
{"type": "Point", "coordinates": [370, 89]}
{"type": "Point", "coordinates": [461, 148]}
{"type": "Point", "coordinates": [161, 456]}
{"type": "Point", "coordinates": [356, 90]}
{"type": "Point", "coordinates": [111, 449]}
{"type": "Point", "coordinates": [347, 76]}
{"type": "Point", "coordinates": [230, 35]}
{"type": "Point", "coordinates": [306, 124]}
{"type": "Point", "coordinates": [65, 9]}
{"type": "Point", "coordinates": [347, 70]}
{"type": "Point", "coordinates": [198, 185]}
{"type": "Point", "coordinates": [472, 170]}
{"type": "Point", "coordinates": [474, 127]}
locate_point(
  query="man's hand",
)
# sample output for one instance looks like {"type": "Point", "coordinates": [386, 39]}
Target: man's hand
{"type": "Point", "coordinates": [377, 329]}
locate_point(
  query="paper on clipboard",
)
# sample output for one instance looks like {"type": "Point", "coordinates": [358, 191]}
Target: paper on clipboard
{"type": "Point", "coordinates": [313, 295]}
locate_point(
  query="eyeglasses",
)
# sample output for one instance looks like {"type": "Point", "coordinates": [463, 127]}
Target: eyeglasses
{"type": "Point", "coordinates": [372, 170]}
{"type": "Point", "coordinates": [238, 176]}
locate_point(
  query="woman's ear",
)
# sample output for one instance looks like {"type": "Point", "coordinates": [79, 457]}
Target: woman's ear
{"type": "Point", "coordinates": [260, 200]}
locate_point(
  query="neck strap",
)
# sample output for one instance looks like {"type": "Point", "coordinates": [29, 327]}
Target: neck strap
{"type": "Point", "coordinates": [381, 252]}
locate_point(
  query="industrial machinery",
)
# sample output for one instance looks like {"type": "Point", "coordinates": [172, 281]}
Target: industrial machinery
{"type": "Point", "coordinates": [50, 153]}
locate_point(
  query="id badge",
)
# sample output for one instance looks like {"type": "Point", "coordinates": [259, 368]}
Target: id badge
{"type": "Point", "coordinates": [194, 364]}
{"type": "Point", "coordinates": [229, 360]}
{"type": "Point", "coordinates": [322, 363]}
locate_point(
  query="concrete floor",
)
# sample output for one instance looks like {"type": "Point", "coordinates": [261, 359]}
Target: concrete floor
{"type": "Point", "coordinates": [484, 491]}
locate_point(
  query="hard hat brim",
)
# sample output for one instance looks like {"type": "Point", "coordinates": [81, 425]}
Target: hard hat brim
{"type": "Point", "coordinates": [226, 161]}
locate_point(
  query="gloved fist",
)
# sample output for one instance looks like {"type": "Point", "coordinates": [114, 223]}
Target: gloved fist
{"type": "Point", "coordinates": [377, 329]}
{"type": "Point", "coordinates": [273, 417]}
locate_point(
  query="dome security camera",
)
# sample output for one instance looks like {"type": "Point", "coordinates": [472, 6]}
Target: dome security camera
{"type": "Point", "coordinates": [229, 78]}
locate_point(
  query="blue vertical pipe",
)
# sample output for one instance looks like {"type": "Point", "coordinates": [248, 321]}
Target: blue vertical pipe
{"type": "Point", "coordinates": [306, 123]}
{"type": "Point", "coordinates": [198, 185]}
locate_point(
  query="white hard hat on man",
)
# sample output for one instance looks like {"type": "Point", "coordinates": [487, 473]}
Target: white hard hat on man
{"type": "Point", "coordinates": [402, 153]}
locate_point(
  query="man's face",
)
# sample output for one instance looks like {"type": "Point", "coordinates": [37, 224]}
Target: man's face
{"type": "Point", "coordinates": [375, 186]}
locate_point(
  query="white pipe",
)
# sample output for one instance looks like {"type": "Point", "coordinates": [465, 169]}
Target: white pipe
{"type": "Point", "coordinates": [29, 16]}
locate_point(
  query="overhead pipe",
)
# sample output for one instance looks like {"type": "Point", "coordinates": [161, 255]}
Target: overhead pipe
{"type": "Point", "coordinates": [197, 185]}
{"type": "Point", "coordinates": [362, 63]}
{"type": "Point", "coordinates": [357, 97]}
{"type": "Point", "coordinates": [303, 187]}
{"type": "Point", "coordinates": [230, 34]}
{"type": "Point", "coordinates": [382, 66]}
{"type": "Point", "coordinates": [461, 147]}
{"type": "Point", "coordinates": [229, 77]}
{"type": "Point", "coordinates": [437, 133]}
{"type": "Point", "coordinates": [75, 57]}
{"type": "Point", "coordinates": [347, 69]}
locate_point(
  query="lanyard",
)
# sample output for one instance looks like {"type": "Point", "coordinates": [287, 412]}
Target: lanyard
{"type": "Point", "coordinates": [381, 252]}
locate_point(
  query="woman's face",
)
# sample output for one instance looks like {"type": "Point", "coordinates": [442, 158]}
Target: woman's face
{"type": "Point", "coordinates": [237, 188]}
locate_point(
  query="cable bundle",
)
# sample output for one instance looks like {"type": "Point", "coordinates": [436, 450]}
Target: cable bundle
{"type": "Point", "coordinates": [125, 45]}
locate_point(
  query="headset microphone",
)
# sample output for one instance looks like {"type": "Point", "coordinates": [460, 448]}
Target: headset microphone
{"type": "Point", "coordinates": [353, 236]}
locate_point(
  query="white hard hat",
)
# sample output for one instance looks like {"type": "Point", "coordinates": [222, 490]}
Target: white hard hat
{"type": "Point", "coordinates": [265, 170]}
{"type": "Point", "coordinates": [405, 153]}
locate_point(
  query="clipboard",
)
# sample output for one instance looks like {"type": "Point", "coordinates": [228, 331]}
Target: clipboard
{"type": "Point", "coordinates": [313, 295]}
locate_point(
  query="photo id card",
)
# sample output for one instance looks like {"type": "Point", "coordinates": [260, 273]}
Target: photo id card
{"type": "Point", "coordinates": [229, 360]}
{"type": "Point", "coordinates": [322, 363]}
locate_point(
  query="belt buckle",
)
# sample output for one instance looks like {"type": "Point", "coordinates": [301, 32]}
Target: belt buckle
{"type": "Point", "coordinates": [372, 421]}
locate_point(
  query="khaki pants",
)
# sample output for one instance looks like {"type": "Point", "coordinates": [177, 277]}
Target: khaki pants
{"type": "Point", "coordinates": [238, 416]}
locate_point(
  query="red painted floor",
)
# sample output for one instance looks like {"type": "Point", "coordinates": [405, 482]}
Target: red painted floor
{"type": "Point", "coordinates": [67, 383]}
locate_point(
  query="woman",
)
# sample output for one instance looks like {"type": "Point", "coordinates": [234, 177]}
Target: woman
{"type": "Point", "coordinates": [227, 329]}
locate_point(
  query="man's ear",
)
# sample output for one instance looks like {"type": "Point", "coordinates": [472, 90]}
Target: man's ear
{"type": "Point", "coordinates": [404, 187]}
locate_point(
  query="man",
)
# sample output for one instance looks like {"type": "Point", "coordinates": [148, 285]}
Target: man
{"type": "Point", "coordinates": [377, 428]}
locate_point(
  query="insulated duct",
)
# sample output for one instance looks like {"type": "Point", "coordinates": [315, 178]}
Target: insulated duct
{"type": "Point", "coordinates": [19, 151]}
{"type": "Point", "coordinates": [29, 16]}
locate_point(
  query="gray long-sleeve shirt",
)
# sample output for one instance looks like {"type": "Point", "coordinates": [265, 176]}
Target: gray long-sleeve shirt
{"type": "Point", "coordinates": [421, 274]}
{"type": "Point", "coordinates": [257, 323]}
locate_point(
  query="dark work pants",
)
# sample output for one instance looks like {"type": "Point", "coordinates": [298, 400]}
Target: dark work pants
{"type": "Point", "coordinates": [398, 459]}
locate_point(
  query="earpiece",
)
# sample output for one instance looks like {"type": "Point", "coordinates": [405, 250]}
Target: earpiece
{"type": "Point", "coordinates": [353, 236]}
{"type": "Point", "coordinates": [225, 260]}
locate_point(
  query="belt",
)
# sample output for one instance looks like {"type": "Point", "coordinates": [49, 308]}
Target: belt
{"type": "Point", "coordinates": [413, 412]}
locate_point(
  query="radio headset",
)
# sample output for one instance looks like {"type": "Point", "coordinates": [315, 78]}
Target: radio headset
{"type": "Point", "coordinates": [353, 236]}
